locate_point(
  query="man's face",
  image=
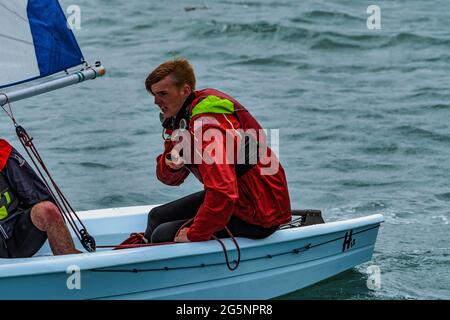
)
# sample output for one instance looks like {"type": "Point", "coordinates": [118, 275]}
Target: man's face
{"type": "Point", "coordinates": [168, 97]}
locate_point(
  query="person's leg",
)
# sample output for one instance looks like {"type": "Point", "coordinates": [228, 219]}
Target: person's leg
{"type": "Point", "coordinates": [26, 239]}
{"type": "Point", "coordinates": [47, 218]}
{"type": "Point", "coordinates": [167, 231]}
{"type": "Point", "coordinates": [240, 228]}
{"type": "Point", "coordinates": [181, 209]}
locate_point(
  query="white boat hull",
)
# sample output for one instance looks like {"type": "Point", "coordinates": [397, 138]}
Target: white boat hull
{"type": "Point", "coordinates": [288, 260]}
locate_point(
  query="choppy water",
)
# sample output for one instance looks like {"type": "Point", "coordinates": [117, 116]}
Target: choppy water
{"type": "Point", "coordinates": [363, 116]}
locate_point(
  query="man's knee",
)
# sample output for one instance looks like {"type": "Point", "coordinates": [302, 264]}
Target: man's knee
{"type": "Point", "coordinates": [46, 213]}
{"type": "Point", "coordinates": [154, 217]}
{"type": "Point", "coordinates": [163, 233]}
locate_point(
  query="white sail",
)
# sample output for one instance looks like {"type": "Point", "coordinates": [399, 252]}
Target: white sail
{"type": "Point", "coordinates": [17, 57]}
{"type": "Point", "coordinates": [36, 42]}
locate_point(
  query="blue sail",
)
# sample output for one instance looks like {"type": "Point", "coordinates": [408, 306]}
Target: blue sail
{"type": "Point", "coordinates": [35, 41]}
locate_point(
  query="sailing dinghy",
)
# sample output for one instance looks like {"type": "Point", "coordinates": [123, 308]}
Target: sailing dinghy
{"type": "Point", "coordinates": [35, 44]}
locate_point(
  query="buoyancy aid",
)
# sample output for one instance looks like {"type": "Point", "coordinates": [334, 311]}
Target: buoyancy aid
{"type": "Point", "coordinates": [216, 102]}
{"type": "Point", "coordinates": [8, 199]}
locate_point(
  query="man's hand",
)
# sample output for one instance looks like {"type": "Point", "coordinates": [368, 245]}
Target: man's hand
{"type": "Point", "coordinates": [182, 236]}
{"type": "Point", "coordinates": [173, 160]}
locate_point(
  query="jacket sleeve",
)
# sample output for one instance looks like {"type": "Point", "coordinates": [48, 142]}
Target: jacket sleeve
{"type": "Point", "coordinates": [25, 182]}
{"type": "Point", "coordinates": [220, 184]}
{"type": "Point", "coordinates": [167, 175]}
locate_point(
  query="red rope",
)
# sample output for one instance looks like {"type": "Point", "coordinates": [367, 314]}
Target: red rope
{"type": "Point", "coordinates": [136, 245]}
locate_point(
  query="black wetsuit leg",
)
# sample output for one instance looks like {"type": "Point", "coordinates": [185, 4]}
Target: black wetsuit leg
{"type": "Point", "coordinates": [165, 221]}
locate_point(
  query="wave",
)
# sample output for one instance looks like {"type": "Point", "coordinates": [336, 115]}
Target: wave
{"type": "Point", "coordinates": [430, 92]}
{"type": "Point", "coordinates": [443, 57]}
{"type": "Point", "coordinates": [301, 20]}
{"type": "Point", "coordinates": [415, 132]}
{"type": "Point", "coordinates": [258, 4]}
{"type": "Point", "coordinates": [407, 38]}
{"type": "Point", "coordinates": [318, 39]}
{"type": "Point", "coordinates": [94, 165]}
{"type": "Point", "coordinates": [314, 16]}
{"type": "Point", "coordinates": [414, 151]}
{"type": "Point", "coordinates": [140, 132]}
{"type": "Point", "coordinates": [350, 165]}
{"type": "Point", "coordinates": [114, 200]}
{"type": "Point", "coordinates": [100, 21]}
{"type": "Point", "coordinates": [271, 61]}
{"type": "Point", "coordinates": [214, 28]}
{"type": "Point", "coordinates": [121, 200]}
{"type": "Point", "coordinates": [353, 183]}
{"type": "Point", "coordinates": [380, 149]}
{"type": "Point", "coordinates": [258, 28]}
{"type": "Point", "coordinates": [443, 196]}
{"type": "Point", "coordinates": [91, 148]}
{"type": "Point", "coordinates": [322, 14]}
{"type": "Point", "coordinates": [330, 44]}
{"type": "Point", "coordinates": [143, 26]}
{"type": "Point", "coordinates": [438, 106]}
{"type": "Point", "coordinates": [380, 41]}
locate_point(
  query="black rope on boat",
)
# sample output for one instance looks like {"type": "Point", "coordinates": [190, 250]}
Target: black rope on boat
{"type": "Point", "coordinates": [203, 265]}
{"type": "Point", "coordinates": [225, 252]}
{"type": "Point", "coordinates": [295, 251]}
{"type": "Point", "coordinates": [61, 201]}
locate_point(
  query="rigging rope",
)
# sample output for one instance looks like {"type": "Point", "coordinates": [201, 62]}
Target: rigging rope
{"type": "Point", "coordinates": [61, 201]}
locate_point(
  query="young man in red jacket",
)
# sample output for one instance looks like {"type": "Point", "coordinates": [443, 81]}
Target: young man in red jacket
{"type": "Point", "coordinates": [28, 216]}
{"type": "Point", "coordinates": [248, 197]}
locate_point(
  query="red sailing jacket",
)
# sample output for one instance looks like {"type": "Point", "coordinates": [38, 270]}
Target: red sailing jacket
{"type": "Point", "coordinates": [5, 150]}
{"type": "Point", "coordinates": [253, 197]}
